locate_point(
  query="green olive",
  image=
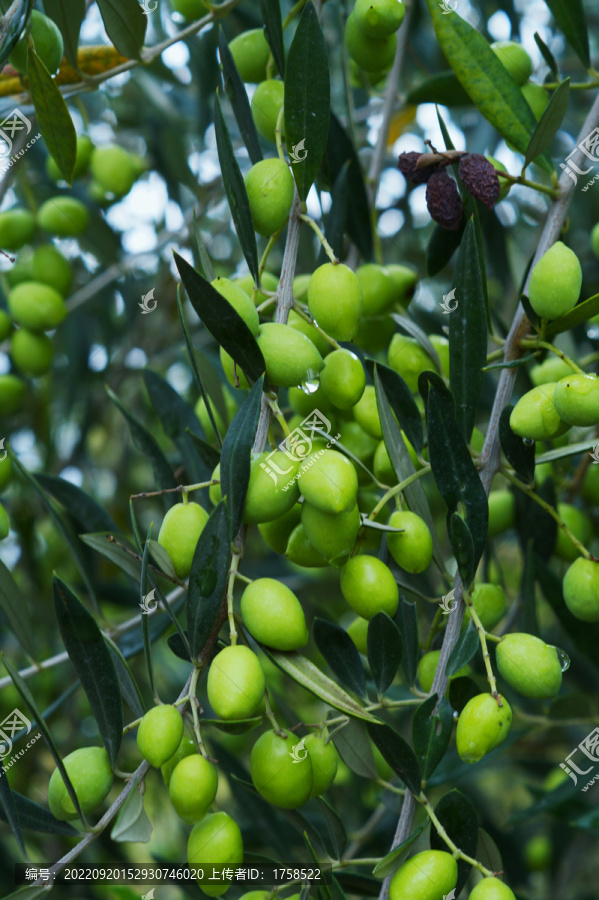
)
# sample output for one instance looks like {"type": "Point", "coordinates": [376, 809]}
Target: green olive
{"type": "Point", "coordinates": [202, 414]}
{"type": "Point", "coordinates": [404, 280]}
{"type": "Point", "coordinates": [581, 589]}
{"type": "Point", "coordinates": [371, 54]}
{"type": "Point", "coordinates": [187, 747]}
{"type": "Point", "coordinates": [49, 266]}
{"type": "Point", "coordinates": [366, 413]}
{"type": "Point", "coordinates": [343, 379]}
{"type": "Point", "coordinates": [576, 399]}
{"type": "Point", "coordinates": [427, 669]}
{"type": "Point", "coordinates": [84, 152]}
{"type": "Point", "coordinates": [236, 683]}
{"type": "Point", "coordinates": [215, 841]}
{"type": "Point", "coordinates": [250, 52]}
{"type": "Point", "coordinates": [502, 512]}
{"type": "Point", "coordinates": [529, 666]}
{"type": "Point", "coordinates": [36, 306]}
{"type": "Point", "coordinates": [412, 548]}
{"type": "Point", "coordinates": [277, 533]}
{"type": "Point", "coordinates": [369, 587]}
{"type": "Point", "coordinates": [91, 776]}
{"type": "Point", "coordinates": [31, 353]}
{"type": "Point", "coordinates": [330, 483]}
{"type": "Point", "coordinates": [273, 615]}
{"type": "Point", "coordinates": [159, 734]}
{"type": "Point", "coordinates": [553, 369]}
{"type": "Point", "coordinates": [48, 41]}
{"type": "Point", "coordinates": [273, 488]}
{"type": "Point", "coordinates": [189, 9]}
{"type": "Point", "coordinates": [536, 97]}
{"type": "Point", "coordinates": [63, 216]}
{"type": "Point", "coordinates": [358, 632]}
{"type": "Point", "coordinates": [325, 762]}
{"type": "Point", "coordinates": [535, 415]}
{"type": "Point", "coordinates": [488, 601]}
{"type": "Point", "coordinates": [335, 300]}
{"type": "Point", "coordinates": [113, 169]}
{"type": "Point", "coordinates": [291, 358]}
{"type": "Point", "coordinates": [17, 227]}
{"type": "Point", "coordinates": [180, 532]}
{"type": "Point", "coordinates": [514, 59]}
{"type": "Point", "coordinates": [379, 18]}
{"type": "Point", "coordinates": [378, 287]}
{"type": "Point", "coordinates": [269, 185]}
{"type": "Point", "coordinates": [301, 551]}
{"type": "Point", "coordinates": [333, 535]}
{"type": "Point", "coordinates": [267, 102]}
{"type": "Point", "coordinates": [408, 359]}
{"type": "Point", "coordinates": [192, 788]}
{"type": "Point", "coordinates": [555, 282]}
{"type": "Point", "coordinates": [482, 726]}
{"type": "Point", "coordinates": [579, 524]}
{"type": "Point", "coordinates": [491, 889]}
{"type": "Point", "coordinates": [276, 773]}
{"type": "Point", "coordinates": [239, 300]}
{"type": "Point", "coordinates": [429, 875]}
{"type": "Point", "coordinates": [4, 523]}
{"type": "Point", "coordinates": [12, 394]}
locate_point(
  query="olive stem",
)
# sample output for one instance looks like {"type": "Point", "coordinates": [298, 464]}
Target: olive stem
{"type": "Point", "coordinates": [520, 179]}
{"type": "Point", "coordinates": [493, 637]}
{"type": "Point", "coordinates": [271, 717]}
{"type": "Point", "coordinates": [455, 850]}
{"type": "Point", "coordinates": [577, 86]}
{"type": "Point", "coordinates": [548, 509]}
{"type": "Point", "coordinates": [235, 559]}
{"type": "Point", "coordinates": [276, 411]}
{"type": "Point", "coordinates": [391, 787]}
{"type": "Point", "coordinates": [367, 861]}
{"type": "Point", "coordinates": [496, 354]}
{"type": "Point", "coordinates": [132, 725]}
{"type": "Point", "coordinates": [271, 242]}
{"type": "Point", "coordinates": [392, 492]}
{"type": "Point", "coordinates": [293, 12]}
{"type": "Point", "coordinates": [534, 343]}
{"type": "Point", "coordinates": [185, 498]}
{"type": "Point", "coordinates": [243, 578]}
{"type": "Point", "coordinates": [328, 249]}
{"type": "Point", "coordinates": [181, 488]}
{"type": "Point", "coordinates": [298, 308]}
{"type": "Point", "coordinates": [483, 643]}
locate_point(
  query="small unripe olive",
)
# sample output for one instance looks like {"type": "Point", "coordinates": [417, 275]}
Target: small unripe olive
{"type": "Point", "coordinates": [267, 103]}
{"type": "Point", "coordinates": [36, 306]}
{"type": "Point", "coordinates": [246, 283]}
{"type": "Point", "coordinates": [236, 683]}
{"type": "Point", "coordinates": [113, 168]}
{"type": "Point", "coordinates": [185, 748]}
{"type": "Point", "coordinates": [317, 338]}
{"type": "Point", "coordinates": [291, 358]}
{"type": "Point", "coordinates": [250, 52]}
{"type": "Point", "coordinates": [301, 551]}
{"type": "Point", "coordinates": [269, 186]}
{"type": "Point", "coordinates": [404, 282]}
{"type": "Point", "coordinates": [489, 604]}
{"type": "Point", "coordinates": [63, 216]}
{"type": "Point", "coordinates": [383, 467]}
{"type": "Point", "coordinates": [369, 587]}
{"type": "Point", "coordinates": [358, 632]}
{"type": "Point", "coordinates": [371, 54]}
{"type": "Point", "coordinates": [12, 394]}
{"type": "Point", "coordinates": [91, 776]}
{"type": "Point", "coordinates": [590, 485]}
{"type": "Point", "coordinates": [17, 227]}
{"type": "Point", "coordinates": [581, 589]}
{"type": "Point", "coordinates": [239, 300]}
{"type": "Point", "coordinates": [427, 669]}
{"type": "Point", "coordinates": [529, 666]}
{"type": "Point", "coordinates": [535, 415]}
{"type": "Point", "coordinates": [576, 399]}
{"type": "Point", "coordinates": [482, 726]}
{"type": "Point", "coordinates": [408, 359]}
{"type": "Point", "coordinates": [491, 889]}
{"type": "Point", "coordinates": [366, 413]}
{"type": "Point", "coordinates": [555, 282]}
{"type": "Point", "coordinates": [332, 534]}
{"type": "Point", "coordinates": [215, 492]}
{"type": "Point", "coordinates": [343, 379]}
{"type": "Point", "coordinates": [273, 615]}
{"type": "Point", "coordinates": [49, 266]}
{"type": "Point", "coordinates": [553, 369]}
{"type": "Point", "coordinates": [412, 548]}
{"type": "Point", "coordinates": [180, 532]}
{"type": "Point", "coordinates": [5, 472]}
{"type": "Point", "coordinates": [272, 489]}
{"type": "Point", "coordinates": [31, 353]}
{"type": "Point", "coordinates": [579, 524]}
{"type": "Point", "coordinates": [48, 42]}
{"type": "Point", "coordinates": [536, 97]}
{"type": "Point", "coordinates": [429, 875]}
{"type": "Point", "coordinates": [325, 762]}
{"type": "Point", "coordinates": [84, 152]}
{"type": "Point", "coordinates": [378, 287]}
{"type": "Point", "coordinates": [305, 404]}
{"type": "Point", "coordinates": [379, 18]}
{"type": "Point", "coordinates": [22, 268]}
{"type": "Point", "coordinates": [159, 734]}
{"type": "Point", "coordinates": [192, 788]}
{"type": "Point", "coordinates": [335, 300]}
{"type": "Point", "coordinates": [277, 533]}
{"type": "Point", "coordinates": [275, 773]}
{"type": "Point", "coordinates": [514, 59]}
{"type": "Point", "coordinates": [502, 512]}
{"type": "Point", "coordinates": [538, 852]}
{"type": "Point", "coordinates": [189, 9]}
{"type": "Point", "coordinates": [215, 841]}
{"type": "Point", "coordinates": [4, 523]}
{"type": "Point", "coordinates": [202, 414]}
{"type": "Point", "coordinates": [330, 483]}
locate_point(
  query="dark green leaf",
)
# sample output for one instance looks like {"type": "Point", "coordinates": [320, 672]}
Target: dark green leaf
{"type": "Point", "coordinates": [518, 454]}
{"type": "Point", "coordinates": [354, 748]}
{"type": "Point", "coordinates": [12, 24]}
{"type": "Point", "coordinates": [337, 216]}
{"type": "Point", "coordinates": [487, 852]}
{"type": "Point", "coordinates": [441, 247]}
{"type": "Point", "coordinates": [129, 689]}
{"type": "Point", "coordinates": [270, 11]}
{"type": "Point", "coordinates": [177, 645]}
{"type": "Point", "coordinates": [533, 523]}
{"type": "Point", "coordinates": [93, 663]}
{"type": "Point", "coordinates": [222, 321]}
{"type": "Point", "coordinates": [340, 150]}
{"type": "Point", "coordinates": [577, 316]}
{"type": "Point", "coordinates": [462, 546]}
{"type": "Point", "coordinates": [86, 512]}
{"type": "Point", "coordinates": [465, 649]}
{"type": "Point", "coordinates": [406, 619]}
{"type": "Point", "coordinates": [443, 88]}
{"type": "Point", "coordinates": [493, 91]}
{"type": "Point", "coordinates": [209, 456]}
{"type": "Point", "coordinates": [235, 190]}
{"type": "Point", "coordinates": [549, 122]}
{"type": "Point", "coordinates": [53, 117]}
{"type": "Point", "coordinates": [9, 811]}
{"type": "Point", "coordinates": [238, 98]}
{"type": "Point", "coordinates": [102, 543]}
{"type": "Point", "coordinates": [237, 454]}
{"type": "Point", "coordinates": [341, 654]}
{"type": "Point", "coordinates": [146, 443]}
{"type": "Point", "coordinates": [398, 753]}
{"type": "Point", "coordinates": [335, 828]}
{"type": "Point", "coordinates": [396, 857]}
{"type": "Point", "coordinates": [431, 733]}
{"type": "Point", "coordinates": [384, 650]}
{"type": "Point", "coordinates": [449, 145]}
{"type": "Point", "coordinates": [458, 816]}
{"type": "Point", "coordinates": [14, 608]}
{"type": "Point", "coordinates": [461, 690]}
{"type": "Point", "coordinates": [570, 18]}
{"type": "Point", "coordinates": [512, 364]}
{"type": "Point", "coordinates": [132, 823]}
{"type": "Point", "coordinates": [125, 25]}
{"type": "Point", "coordinates": [468, 333]}
{"type": "Point", "coordinates": [453, 468]}
{"type": "Point", "coordinates": [208, 579]}
{"type": "Point", "coordinates": [401, 400]}
{"type": "Point", "coordinates": [33, 817]}
{"type": "Point", "coordinates": [68, 15]}
{"type": "Point", "coordinates": [307, 99]}
{"type": "Point", "coordinates": [547, 55]}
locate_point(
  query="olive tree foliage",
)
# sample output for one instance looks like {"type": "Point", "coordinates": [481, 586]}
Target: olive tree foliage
{"type": "Point", "coordinates": [98, 624]}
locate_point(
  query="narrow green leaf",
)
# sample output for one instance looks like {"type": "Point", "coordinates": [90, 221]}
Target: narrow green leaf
{"type": "Point", "coordinates": [441, 247]}
{"type": "Point", "coordinates": [443, 88]}
{"type": "Point", "coordinates": [341, 654]}
{"type": "Point", "coordinates": [465, 649]}
{"type": "Point", "coordinates": [236, 455]}
{"type": "Point", "coordinates": [518, 454]}
{"type": "Point", "coordinates": [146, 443]}
{"type": "Point", "coordinates": [487, 852]}
{"type": "Point", "coordinates": [493, 91]}
{"type": "Point", "coordinates": [270, 12]}
{"type": "Point", "coordinates": [384, 650]}
{"type": "Point", "coordinates": [549, 122]}
{"type": "Point", "coordinates": [68, 15]}
{"type": "Point", "coordinates": [307, 99]}
{"type": "Point", "coordinates": [238, 98]}
{"type": "Point", "coordinates": [577, 316]}
{"type": "Point", "coordinates": [34, 817]}
{"type": "Point", "coordinates": [468, 333]}
{"type": "Point", "coordinates": [337, 216]}
{"type": "Point", "coordinates": [93, 663]}
{"type": "Point", "coordinates": [13, 605]}
{"type": "Point", "coordinates": [125, 25]}
{"type": "Point", "coordinates": [235, 190]}
{"type": "Point", "coordinates": [570, 18]}
{"type": "Point", "coordinates": [53, 117]}
{"type": "Point", "coordinates": [222, 321]}
{"type": "Point", "coordinates": [8, 808]}
{"type": "Point", "coordinates": [396, 857]}
{"type": "Point", "coordinates": [12, 24]}
{"type": "Point", "coordinates": [161, 558]}
{"type": "Point", "coordinates": [340, 151]}
{"type": "Point", "coordinates": [431, 733]}
{"type": "Point", "coordinates": [513, 364]}
{"type": "Point", "coordinates": [83, 508]}
{"type": "Point", "coordinates": [547, 55]}
{"type": "Point", "coordinates": [208, 579]}
{"type": "Point", "coordinates": [335, 828]}
{"type": "Point", "coordinates": [102, 543]}
{"type": "Point", "coordinates": [462, 546]}
{"type": "Point", "coordinates": [563, 452]}
{"type": "Point", "coordinates": [401, 400]}
{"type": "Point", "coordinates": [398, 753]}
{"type": "Point", "coordinates": [406, 619]}
{"type": "Point", "coordinates": [309, 676]}
{"type": "Point", "coordinates": [458, 816]}
{"type": "Point", "coordinates": [132, 824]}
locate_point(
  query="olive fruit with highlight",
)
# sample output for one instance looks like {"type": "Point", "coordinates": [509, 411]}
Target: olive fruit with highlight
{"type": "Point", "coordinates": [267, 103]}
{"type": "Point", "coordinates": [429, 875]}
{"type": "Point", "coordinates": [301, 551]}
{"type": "Point", "coordinates": [192, 787]}
{"type": "Point", "coordinates": [579, 524]}
{"type": "Point", "coordinates": [343, 379]}
{"type": "Point", "coordinates": [17, 227]}
{"type": "Point", "coordinates": [529, 665]}
{"type": "Point", "coordinates": [36, 306]}
{"type": "Point", "coordinates": [378, 288]}
{"type": "Point", "coordinates": [576, 399]}
{"type": "Point", "coordinates": [427, 669]}
{"type": "Point", "coordinates": [379, 18]}
{"type": "Point", "coordinates": [358, 632]}
{"type": "Point", "coordinates": [369, 587]}
{"type": "Point", "coordinates": [269, 186]}
{"type": "Point", "coordinates": [273, 615]}
{"type": "Point", "coordinates": [330, 483]}
{"type": "Point", "coordinates": [84, 152]}
{"type": "Point", "coordinates": [535, 415]}
{"type": "Point", "coordinates": [239, 300]}
{"type": "Point", "coordinates": [581, 589]}
{"type": "Point", "coordinates": [291, 358]}
{"type": "Point", "coordinates": [555, 282]}
{"type": "Point", "coordinates": [412, 548]}
{"type": "Point", "coordinates": [366, 413]}
{"type": "Point", "coordinates": [488, 601]}
{"type": "Point", "coordinates": [215, 841]}
{"type": "Point", "coordinates": [12, 394]}
{"type": "Point", "coordinates": [491, 889]}
{"type": "Point", "coordinates": [49, 266]}
{"type": "Point", "coordinates": [404, 281]}
{"type": "Point", "coordinates": [113, 169]}
{"type": "Point", "coordinates": [515, 60]}
{"type": "Point", "coordinates": [276, 774]}
{"type": "Point", "coordinates": [48, 41]}
{"type": "Point", "coordinates": [31, 353]}
{"type": "Point", "coordinates": [408, 359]}
{"type": "Point", "coordinates": [536, 97]}
{"type": "Point", "coordinates": [159, 734]}
{"type": "Point", "coordinates": [180, 532]}
{"type": "Point", "coordinates": [325, 762]}
{"type": "Point", "coordinates": [189, 9]}
{"type": "Point", "coordinates": [502, 512]}
{"type": "Point", "coordinates": [333, 535]}
{"type": "Point", "coordinates": [250, 52]}
{"type": "Point", "coordinates": [185, 748]}
{"type": "Point", "coordinates": [63, 216]}
{"type": "Point", "coordinates": [371, 54]}
{"type": "Point", "coordinates": [482, 726]}
{"type": "Point", "coordinates": [91, 776]}
{"type": "Point", "coordinates": [552, 369]}
{"type": "Point", "coordinates": [304, 327]}
{"type": "Point", "coordinates": [236, 683]}
{"type": "Point", "coordinates": [335, 300]}
{"type": "Point", "coordinates": [272, 489]}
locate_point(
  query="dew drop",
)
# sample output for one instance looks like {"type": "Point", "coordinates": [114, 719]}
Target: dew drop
{"type": "Point", "coordinates": [312, 382]}
{"type": "Point", "coordinates": [564, 659]}
{"type": "Point", "coordinates": [528, 442]}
